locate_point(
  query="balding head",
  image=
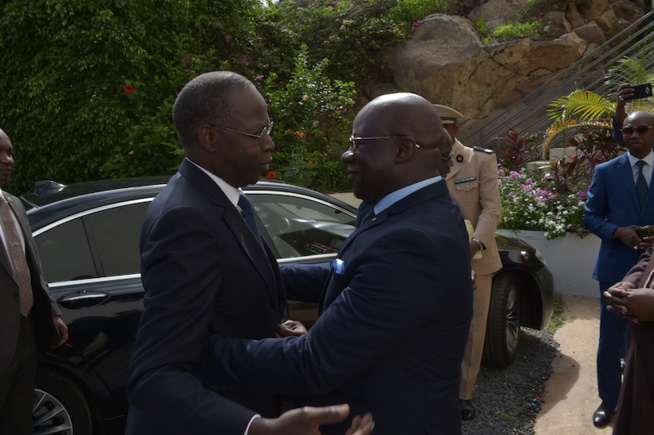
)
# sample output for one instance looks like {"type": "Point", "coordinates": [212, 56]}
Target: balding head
{"type": "Point", "coordinates": [207, 98]}
{"type": "Point", "coordinates": [638, 133]}
{"type": "Point", "coordinates": [401, 142]}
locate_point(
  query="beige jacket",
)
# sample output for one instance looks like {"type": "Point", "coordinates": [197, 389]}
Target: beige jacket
{"type": "Point", "coordinates": [472, 183]}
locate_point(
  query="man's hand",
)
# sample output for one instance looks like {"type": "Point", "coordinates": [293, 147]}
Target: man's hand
{"type": "Point", "coordinates": [62, 329]}
{"type": "Point", "coordinates": [307, 420]}
{"type": "Point", "coordinates": [636, 304]}
{"type": "Point", "coordinates": [630, 237]}
{"type": "Point", "coordinates": [291, 328]}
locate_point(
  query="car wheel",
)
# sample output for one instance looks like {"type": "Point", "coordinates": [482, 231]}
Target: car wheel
{"type": "Point", "coordinates": [503, 326]}
{"type": "Point", "coordinates": [59, 406]}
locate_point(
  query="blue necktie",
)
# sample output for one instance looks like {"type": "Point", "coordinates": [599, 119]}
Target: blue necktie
{"type": "Point", "coordinates": [641, 183]}
{"type": "Point", "coordinates": [248, 215]}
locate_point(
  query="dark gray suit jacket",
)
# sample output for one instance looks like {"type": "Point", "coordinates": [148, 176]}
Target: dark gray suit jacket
{"type": "Point", "coordinates": [44, 308]}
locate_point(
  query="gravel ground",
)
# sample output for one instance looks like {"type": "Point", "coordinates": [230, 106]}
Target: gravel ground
{"type": "Point", "coordinates": [509, 399]}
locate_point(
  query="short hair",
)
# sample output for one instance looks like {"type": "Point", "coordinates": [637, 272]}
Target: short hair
{"type": "Point", "coordinates": [206, 99]}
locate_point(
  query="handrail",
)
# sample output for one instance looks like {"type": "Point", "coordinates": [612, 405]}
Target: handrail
{"type": "Point", "coordinates": [573, 77]}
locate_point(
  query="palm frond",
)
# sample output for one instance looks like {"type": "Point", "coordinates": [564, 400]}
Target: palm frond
{"type": "Point", "coordinates": [568, 127]}
{"type": "Point", "coordinates": [585, 105]}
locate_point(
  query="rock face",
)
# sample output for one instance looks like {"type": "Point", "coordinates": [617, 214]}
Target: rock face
{"type": "Point", "coordinates": [447, 62]}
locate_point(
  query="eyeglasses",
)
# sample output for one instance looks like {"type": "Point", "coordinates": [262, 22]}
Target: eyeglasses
{"type": "Point", "coordinates": [641, 129]}
{"type": "Point", "coordinates": [357, 141]}
{"type": "Point", "coordinates": [265, 132]}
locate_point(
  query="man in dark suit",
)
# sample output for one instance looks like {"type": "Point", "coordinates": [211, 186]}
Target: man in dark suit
{"type": "Point", "coordinates": [205, 270]}
{"type": "Point", "coordinates": [619, 204]}
{"type": "Point", "coordinates": [396, 308]}
{"type": "Point", "coordinates": [29, 318]}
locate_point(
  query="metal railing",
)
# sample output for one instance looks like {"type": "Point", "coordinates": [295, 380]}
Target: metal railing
{"type": "Point", "coordinates": [588, 73]}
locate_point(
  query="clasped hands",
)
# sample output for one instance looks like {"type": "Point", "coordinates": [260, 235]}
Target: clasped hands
{"type": "Point", "coordinates": [635, 304]}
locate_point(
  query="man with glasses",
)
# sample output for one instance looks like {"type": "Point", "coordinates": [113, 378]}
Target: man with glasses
{"type": "Point", "coordinates": [397, 302]}
{"type": "Point", "coordinates": [205, 270]}
{"type": "Point", "coordinates": [472, 182]}
{"type": "Point", "coordinates": [620, 203]}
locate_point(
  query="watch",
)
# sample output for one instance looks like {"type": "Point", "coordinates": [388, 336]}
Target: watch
{"type": "Point", "coordinates": [478, 242]}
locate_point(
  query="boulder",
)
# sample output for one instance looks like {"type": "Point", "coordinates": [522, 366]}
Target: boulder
{"type": "Point", "coordinates": [447, 62]}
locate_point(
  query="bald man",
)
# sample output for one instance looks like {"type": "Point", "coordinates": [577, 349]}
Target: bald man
{"type": "Point", "coordinates": [620, 202]}
{"type": "Point", "coordinates": [396, 308]}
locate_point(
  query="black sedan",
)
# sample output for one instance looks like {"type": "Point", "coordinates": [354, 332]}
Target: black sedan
{"type": "Point", "coordinates": [87, 236]}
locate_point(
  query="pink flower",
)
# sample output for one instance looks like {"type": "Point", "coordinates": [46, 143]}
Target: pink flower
{"type": "Point", "coordinates": [228, 38]}
{"type": "Point", "coordinates": [245, 61]}
{"type": "Point", "coordinates": [259, 77]}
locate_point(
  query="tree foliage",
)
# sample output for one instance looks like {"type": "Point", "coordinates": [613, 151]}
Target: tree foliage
{"type": "Point", "coordinates": [88, 85]}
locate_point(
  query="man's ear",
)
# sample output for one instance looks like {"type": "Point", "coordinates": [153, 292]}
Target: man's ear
{"type": "Point", "coordinates": [207, 138]}
{"type": "Point", "coordinates": [405, 150]}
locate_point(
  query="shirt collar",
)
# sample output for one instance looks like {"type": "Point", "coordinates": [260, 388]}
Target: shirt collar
{"type": "Point", "coordinates": [230, 191]}
{"type": "Point", "coordinates": [402, 193]}
{"type": "Point", "coordinates": [649, 159]}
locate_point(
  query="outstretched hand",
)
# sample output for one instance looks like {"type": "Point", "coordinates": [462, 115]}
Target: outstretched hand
{"type": "Point", "coordinates": [291, 328]}
{"type": "Point", "coordinates": [307, 421]}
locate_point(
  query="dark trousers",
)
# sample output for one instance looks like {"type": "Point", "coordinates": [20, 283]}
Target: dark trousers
{"type": "Point", "coordinates": [17, 384]}
{"type": "Point", "coordinates": [612, 346]}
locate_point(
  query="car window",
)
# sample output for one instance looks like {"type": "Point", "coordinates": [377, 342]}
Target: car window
{"type": "Point", "coordinates": [102, 242]}
{"type": "Point", "coordinates": [301, 226]}
{"type": "Point", "coordinates": [115, 233]}
{"type": "Point", "coordinates": [65, 252]}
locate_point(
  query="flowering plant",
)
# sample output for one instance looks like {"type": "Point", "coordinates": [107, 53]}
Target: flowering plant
{"type": "Point", "coordinates": [531, 202]}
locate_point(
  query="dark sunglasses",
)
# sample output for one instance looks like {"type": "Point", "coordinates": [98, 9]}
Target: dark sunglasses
{"type": "Point", "coordinates": [641, 129]}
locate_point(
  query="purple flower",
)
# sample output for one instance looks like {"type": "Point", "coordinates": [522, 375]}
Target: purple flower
{"type": "Point", "coordinates": [334, 3]}
{"type": "Point", "coordinates": [228, 38]}
{"type": "Point", "coordinates": [245, 61]}
{"type": "Point", "coordinates": [259, 77]}
{"type": "Point", "coordinates": [514, 174]}
{"type": "Point", "coordinates": [500, 172]}
{"type": "Point", "coordinates": [529, 180]}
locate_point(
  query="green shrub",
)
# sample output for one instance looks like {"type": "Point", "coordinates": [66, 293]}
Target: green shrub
{"type": "Point", "coordinates": [511, 31]}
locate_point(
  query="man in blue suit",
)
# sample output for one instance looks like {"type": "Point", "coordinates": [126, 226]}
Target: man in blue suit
{"type": "Point", "coordinates": [619, 204]}
{"type": "Point", "coordinates": [396, 308]}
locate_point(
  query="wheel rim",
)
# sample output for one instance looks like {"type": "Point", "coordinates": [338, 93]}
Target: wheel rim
{"type": "Point", "coordinates": [50, 415]}
{"type": "Point", "coordinates": [512, 320]}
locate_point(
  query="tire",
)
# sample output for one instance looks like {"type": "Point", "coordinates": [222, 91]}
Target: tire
{"type": "Point", "coordinates": [503, 325]}
{"type": "Point", "coordinates": [59, 406]}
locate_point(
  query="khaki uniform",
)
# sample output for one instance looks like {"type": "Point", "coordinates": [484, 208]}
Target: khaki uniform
{"type": "Point", "coordinates": [472, 183]}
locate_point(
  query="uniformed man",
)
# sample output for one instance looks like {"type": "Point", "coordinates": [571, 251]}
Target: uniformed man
{"type": "Point", "coordinates": [472, 182]}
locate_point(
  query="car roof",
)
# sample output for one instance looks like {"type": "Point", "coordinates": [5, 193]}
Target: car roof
{"type": "Point", "coordinates": [51, 200]}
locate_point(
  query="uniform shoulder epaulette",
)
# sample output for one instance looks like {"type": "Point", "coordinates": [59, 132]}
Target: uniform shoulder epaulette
{"type": "Point", "coordinates": [484, 150]}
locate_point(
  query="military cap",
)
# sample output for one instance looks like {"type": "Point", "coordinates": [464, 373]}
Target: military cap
{"type": "Point", "coordinates": [448, 115]}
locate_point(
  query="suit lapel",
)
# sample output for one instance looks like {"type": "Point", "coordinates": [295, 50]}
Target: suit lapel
{"type": "Point", "coordinates": [626, 177]}
{"type": "Point", "coordinates": [425, 194]}
{"type": "Point", "coordinates": [235, 223]}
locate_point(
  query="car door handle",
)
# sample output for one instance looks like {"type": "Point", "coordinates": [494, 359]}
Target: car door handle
{"type": "Point", "coordinates": [82, 299]}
